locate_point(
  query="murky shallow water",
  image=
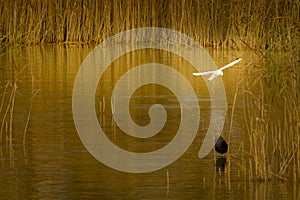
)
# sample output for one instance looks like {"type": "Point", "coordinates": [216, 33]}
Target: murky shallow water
{"type": "Point", "coordinates": [54, 164]}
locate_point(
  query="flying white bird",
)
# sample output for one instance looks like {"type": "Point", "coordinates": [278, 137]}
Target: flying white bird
{"type": "Point", "coordinates": [217, 72]}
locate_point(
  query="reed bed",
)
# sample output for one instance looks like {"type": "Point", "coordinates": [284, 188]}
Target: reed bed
{"type": "Point", "coordinates": [272, 116]}
{"type": "Point", "coordinates": [234, 24]}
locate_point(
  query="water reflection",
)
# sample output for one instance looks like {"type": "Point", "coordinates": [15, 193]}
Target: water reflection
{"type": "Point", "coordinates": [54, 164]}
{"type": "Point", "coordinates": [220, 164]}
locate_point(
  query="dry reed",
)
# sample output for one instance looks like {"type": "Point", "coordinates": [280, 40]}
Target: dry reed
{"type": "Point", "coordinates": [272, 94]}
{"type": "Point", "coordinates": [8, 100]}
{"type": "Point", "coordinates": [236, 24]}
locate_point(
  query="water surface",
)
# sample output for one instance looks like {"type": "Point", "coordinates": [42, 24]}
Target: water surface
{"type": "Point", "coordinates": [53, 163]}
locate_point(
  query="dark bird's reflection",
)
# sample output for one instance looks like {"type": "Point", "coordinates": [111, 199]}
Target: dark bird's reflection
{"type": "Point", "coordinates": [220, 164]}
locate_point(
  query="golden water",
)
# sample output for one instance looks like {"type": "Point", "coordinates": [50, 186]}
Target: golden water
{"type": "Point", "coordinates": [54, 164]}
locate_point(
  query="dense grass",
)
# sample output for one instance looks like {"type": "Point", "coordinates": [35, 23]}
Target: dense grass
{"type": "Point", "coordinates": [253, 23]}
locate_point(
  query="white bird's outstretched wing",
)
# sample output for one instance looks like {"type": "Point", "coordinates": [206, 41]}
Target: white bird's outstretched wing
{"type": "Point", "coordinates": [203, 73]}
{"type": "Point", "coordinates": [231, 64]}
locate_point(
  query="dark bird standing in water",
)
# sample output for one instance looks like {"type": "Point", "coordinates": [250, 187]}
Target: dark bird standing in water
{"type": "Point", "coordinates": [221, 145]}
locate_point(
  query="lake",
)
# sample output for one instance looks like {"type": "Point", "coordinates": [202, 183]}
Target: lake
{"type": "Point", "coordinates": [53, 163]}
